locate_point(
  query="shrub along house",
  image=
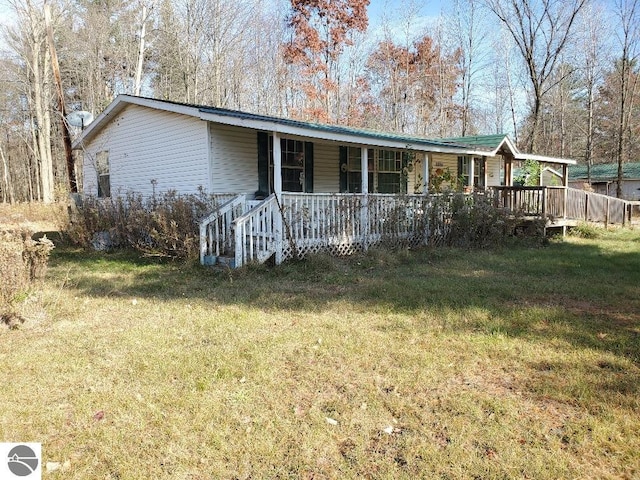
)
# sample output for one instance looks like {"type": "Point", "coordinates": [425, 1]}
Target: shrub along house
{"type": "Point", "coordinates": [286, 187]}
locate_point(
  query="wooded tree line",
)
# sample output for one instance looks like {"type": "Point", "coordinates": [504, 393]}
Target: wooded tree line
{"type": "Point", "coordinates": [560, 76]}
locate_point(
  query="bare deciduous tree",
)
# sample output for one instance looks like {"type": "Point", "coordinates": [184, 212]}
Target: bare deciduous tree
{"type": "Point", "coordinates": [541, 29]}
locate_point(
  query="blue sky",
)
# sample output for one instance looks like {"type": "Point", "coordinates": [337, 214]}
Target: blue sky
{"type": "Point", "coordinates": [394, 8]}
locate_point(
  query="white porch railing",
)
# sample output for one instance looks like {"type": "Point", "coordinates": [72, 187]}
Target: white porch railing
{"type": "Point", "coordinates": [342, 224]}
{"type": "Point", "coordinates": [257, 233]}
{"type": "Point", "coordinates": [216, 230]}
{"type": "Point", "coordinates": [345, 223]}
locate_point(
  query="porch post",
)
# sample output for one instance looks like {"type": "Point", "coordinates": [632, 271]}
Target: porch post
{"type": "Point", "coordinates": [484, 173]}
{"type": "Point", "coordinates": [364, 166]}
{"type": "Point", "coordinates": [472, 166]}
{"type": "Point", "coordinates": [565, 175]}
{"type": "Point", "coordinates": [425, 173]}
{"type": "Point", "coordinates": [364, 210]}
{"type": "Point", "coordinates": [508, 170]}
{"type": "Point", "coordinates": [277, 190]}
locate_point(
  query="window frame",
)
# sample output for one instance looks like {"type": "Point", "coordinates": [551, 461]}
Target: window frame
{"type": "Point", "coordinates": [383, 163]}
{"type": "Point", "coordinates": [292, 161]}
{"type": "Point", "coordinates": [103, 174]}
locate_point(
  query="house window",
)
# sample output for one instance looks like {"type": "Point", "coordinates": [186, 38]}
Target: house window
{"type": "Point", "coordinates": [385, 171]}
{"type": "Point", "coordinates": [464, 171]}
{"type": "Point", "coordinates": [292, 165]}
{"type": "Point", "coordinates": [464, 167]}
{"type": "Point", "coordinates": [478, 172]}
{"type": "Point", "coordinates": [102, 168]}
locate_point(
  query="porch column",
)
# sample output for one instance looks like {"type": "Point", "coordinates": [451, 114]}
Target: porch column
{"type": "Point", "coordinates": [364, 188]}
{"type": "Point", "coordinates": [508, 169]}
{"type": "Point", "coordinates": [364, 166]}
{"type": "Point", "coordinates": [277, 190]}
{"type": "Point", "coordinates": [565, 183]}
{"type": "Point", "coordinates": [485, 174]}
{"type": "Point", "coordinates": [472, 166]}
{"type": "Point", "coordinates": [425, 173]}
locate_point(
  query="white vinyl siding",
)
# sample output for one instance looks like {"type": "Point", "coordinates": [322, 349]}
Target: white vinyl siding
{"type": "Point", "coordinates": [145, 145]}
{"type": "Point", "coordinates": [495, 171]}
{"type": "Point", "coordinates": [443, 161]}
{"type": "Point", "coordinates": [415, 178]}
{"type": "Point", "coordinates": [234, 159]}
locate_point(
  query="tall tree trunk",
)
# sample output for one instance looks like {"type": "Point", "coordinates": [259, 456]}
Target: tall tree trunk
{"type": "Point", "coordinates": [139, 65]}
{"type": "Point", "coordinates": [588, 153]}
{"type": "Point", "coordinates": [7, 190]}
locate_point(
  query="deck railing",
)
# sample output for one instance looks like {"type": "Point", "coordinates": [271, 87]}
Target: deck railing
{"type": "Point", "coordinates": [341, 224]}
{"type": "Point", "coordinates": [564, 203]}
{"type": "Point", "coordinates": [216, 236]}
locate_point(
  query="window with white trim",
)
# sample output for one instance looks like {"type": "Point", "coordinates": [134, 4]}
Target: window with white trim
{"type": "Point", "coordinates": [385, 167]}
{"type": "Point", "coordinates": [293, 163]}
{"type": "Point", "coordinates": [104, 177]}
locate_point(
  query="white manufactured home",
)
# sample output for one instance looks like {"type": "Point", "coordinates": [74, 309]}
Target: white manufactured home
{"type": "Point", "coordinates": [292, 187]}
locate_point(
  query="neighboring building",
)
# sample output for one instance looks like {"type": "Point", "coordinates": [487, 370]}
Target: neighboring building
{"type": "Point", "coordinates": [604, 179]}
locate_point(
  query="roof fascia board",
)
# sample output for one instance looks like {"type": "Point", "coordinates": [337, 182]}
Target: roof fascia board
{"type": "Point", "coordinates": [544, 159]}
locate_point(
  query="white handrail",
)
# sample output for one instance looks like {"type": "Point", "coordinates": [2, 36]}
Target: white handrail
{"type": "Point", "coordinates": [255, 233]}
{"type": "Point", "coordinates": [215, 229]}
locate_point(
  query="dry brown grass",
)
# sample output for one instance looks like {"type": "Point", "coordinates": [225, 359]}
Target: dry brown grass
{"type": "Point", "coordinates": [438, 364]}
{"type": "Point", "coordinates": [34, 216]}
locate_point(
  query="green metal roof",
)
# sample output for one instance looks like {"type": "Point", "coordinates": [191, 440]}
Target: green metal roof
{"type": "Point", "coordinates": [601, 172]}
{"type": "Point", "coordinates": [490, 142]}
{"type": "Point", "coordinates": [330, 128]}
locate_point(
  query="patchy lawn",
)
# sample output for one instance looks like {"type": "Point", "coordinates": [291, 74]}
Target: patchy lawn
{"type": "Point", "coordinates": [523, 363]}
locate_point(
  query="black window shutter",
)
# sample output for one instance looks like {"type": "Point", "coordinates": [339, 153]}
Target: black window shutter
{"type": "Point", "coordinates": [460, 172]}
{"type": "Point", "coordinates": [263, 164]}
{"type": "Point", "coordinates": [343, 170]}
{"type": "Point", "coordinates": [404, 177]}
{"type": "Point", "coordinates": [308, 167]}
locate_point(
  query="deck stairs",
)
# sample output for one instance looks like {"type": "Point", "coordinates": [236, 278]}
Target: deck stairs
{"type": "Point", "coordinates": [240, 221]}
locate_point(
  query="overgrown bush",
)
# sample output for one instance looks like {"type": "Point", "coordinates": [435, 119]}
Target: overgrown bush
{"type": "Point", "coordinates": [165, 225]}
{"type": "Point", "coordinates": [473, 221]}
{"type": "Point", "coordinates": [22, 262]}
{"type": "Point", "coordinates": [585, 230]}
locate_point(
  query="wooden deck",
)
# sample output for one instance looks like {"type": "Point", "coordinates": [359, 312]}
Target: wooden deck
{"type": "Point", "coordinates": [565, 206]}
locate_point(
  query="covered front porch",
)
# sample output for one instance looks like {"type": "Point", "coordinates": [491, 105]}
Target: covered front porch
{"type": "Point", "coordinates": [384, 193]}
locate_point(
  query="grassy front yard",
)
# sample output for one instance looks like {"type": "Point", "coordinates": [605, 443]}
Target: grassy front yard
{"type": "Point", "coordinates": [523, 363]}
